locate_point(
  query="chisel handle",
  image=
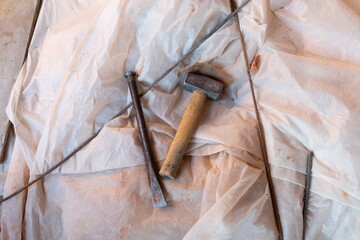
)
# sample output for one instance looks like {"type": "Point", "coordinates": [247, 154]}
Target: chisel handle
{"type": "Point", "coordinates": [185, 130]}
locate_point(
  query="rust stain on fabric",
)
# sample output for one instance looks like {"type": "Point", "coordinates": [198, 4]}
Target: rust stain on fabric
{"type": "Point", "coordinates": [123, 232]}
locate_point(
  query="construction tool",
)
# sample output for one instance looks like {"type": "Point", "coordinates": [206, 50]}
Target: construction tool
{"type": "Point", "coordinates": [201, 88]}
{"type": "Point", "coordinates": [157, 193]}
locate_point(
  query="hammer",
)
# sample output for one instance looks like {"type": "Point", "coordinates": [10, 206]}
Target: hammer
{"type": "Point", "coordinates": [201, 88]}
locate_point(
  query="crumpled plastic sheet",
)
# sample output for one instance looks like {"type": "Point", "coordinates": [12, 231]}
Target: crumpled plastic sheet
{"type": "Point", "coordinates": [14, 33]}
{"type": "Point", "coordinates": [72, 84]}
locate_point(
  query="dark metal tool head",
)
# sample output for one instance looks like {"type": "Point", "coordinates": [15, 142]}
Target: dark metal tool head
{"type": "Point", "coordinates": [211, 87]}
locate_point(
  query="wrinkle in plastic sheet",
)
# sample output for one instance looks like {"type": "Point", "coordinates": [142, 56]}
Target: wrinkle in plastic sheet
{"type": "Point", "coordinates": [65, 93]}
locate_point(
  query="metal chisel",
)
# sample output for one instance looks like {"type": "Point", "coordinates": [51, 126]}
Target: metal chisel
{"type": "Point", "coordinates": [157, 193]}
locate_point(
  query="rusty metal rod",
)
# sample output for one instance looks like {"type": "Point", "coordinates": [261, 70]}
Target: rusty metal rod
{"type": "Point", "coordinates": [307, 189]}
{"type": "Point", "coordinates": [261, 131]}
{"type": "Point", "coordinates": [157, 193]}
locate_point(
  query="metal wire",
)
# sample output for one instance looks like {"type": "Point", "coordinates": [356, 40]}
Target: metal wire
{"type": "Point", "coordinates": [261, 134]}
{"type": "Point", "coordinates": [172, 67]}
{"type": "Point", "coordinates": [307, 189]}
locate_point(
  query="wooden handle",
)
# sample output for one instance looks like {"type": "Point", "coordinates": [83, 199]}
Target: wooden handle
{"type": "Point", "coordinates": [185, 131]}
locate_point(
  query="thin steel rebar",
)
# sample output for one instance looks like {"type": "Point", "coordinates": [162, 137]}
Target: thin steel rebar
{"type": "Point", "coordinates": [261, 132]}
{"type": "Point", "coordinates": [307, 190]}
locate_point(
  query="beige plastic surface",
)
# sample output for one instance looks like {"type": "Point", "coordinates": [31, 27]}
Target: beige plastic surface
{"type": "Point", "coordinates": [307, 89]}
{"type": "Point", "coordinates": [185, 131]}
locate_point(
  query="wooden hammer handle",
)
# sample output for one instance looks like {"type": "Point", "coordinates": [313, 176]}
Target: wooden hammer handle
{"type": "Point", "coordinates": [185, 130]}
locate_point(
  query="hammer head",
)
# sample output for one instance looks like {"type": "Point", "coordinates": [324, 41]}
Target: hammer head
{"type": "Point", "coordinates": [211, 87]}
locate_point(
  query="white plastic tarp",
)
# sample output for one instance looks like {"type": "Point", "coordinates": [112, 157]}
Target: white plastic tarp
{"type": "Point", "coordinates": [72, 84]}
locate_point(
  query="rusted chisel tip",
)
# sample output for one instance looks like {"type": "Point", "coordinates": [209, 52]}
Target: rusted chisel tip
{"type": "Point", "coordinates": [159, 201]}
{"type": "Point", "coordinates": [160, 204]}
